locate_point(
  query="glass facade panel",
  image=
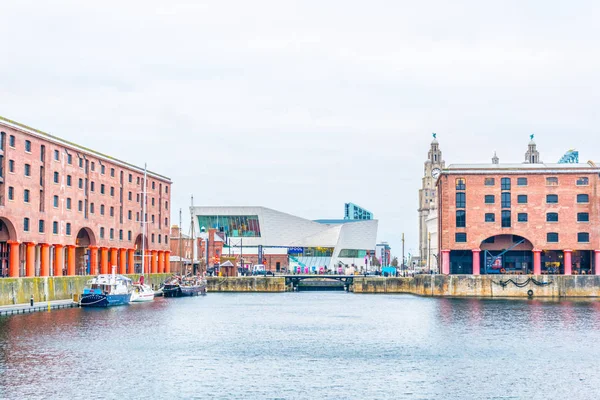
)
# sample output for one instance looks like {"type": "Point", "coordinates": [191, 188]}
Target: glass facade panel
{"type": "Point", "coordinates": [506, 219]}
{"type": "Point", "coordinates": [352, 253]}
{"type": "Point", "coordinates": [552, 237]}
{"type": "Point", "coordinates": [552, 217]}
{"type": "Point", "coordinates": [583, 198]}
{"type": "Point", "coordinates": [461, 218]}
{"type": "Point", "coordinates": [460, 237]}
{"type": "Point", "coordinates": [552, 198]}
{"type": "Point", "coordinates": [505, 200]}
{"type": "Point", "coordinates": [232, 225]}
{"type": "Point", "coordinates": [583, 237]}
{"type": "Point", "coordinates": [522, 199]}
{"type": "Point", "coordinates": [583, 217]}
{"type": "Point", "coordinates": [505, 183]}
{"type": "Point", "coordinates": [461, 200]}
{"type": "Point", "coordinates": [522, 217]}
{"type": "Point", "coordinates": [521, 181]}
{"type": "Point", "coordinates": [490, 217]}
{"type": "Point", "coordinates": [489, 199]}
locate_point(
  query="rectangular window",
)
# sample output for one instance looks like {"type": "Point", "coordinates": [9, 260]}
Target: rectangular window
{"type": "Point", "coordinates": [521, 181]}
{"type": "Point", "coordinates": [552, 181]}
{"type": "Point", "coordinates": [522, 217]}
{"type": "Point", "coordinates": [522, 199]}
{"type": "Point", "coordinates": [505, 183]}
{"type": "Point", "coordinates": [27, 170]}
{"type": "Point", "coordinates": [112, 191]}
{"type": "Point", "coordinates": [101, 233]}
{"type": "Point", "coordinates": [80, 183]}
{"type": "Point", "coordinates": [551, 198]}
{"type": "Point", "coordinates": [154, 185]}
{"type": "Point", "coordinates": [68, 229]}
{"type": "Point", "coordinates": [69, 159]}
{"type": "Point", "coordinates": [112, 233]}
{"type": "Point", "coordinates": [552, 217]}
{"type": "Point", "coordinates": [129, 214]}
{"type": "Point", "coordinates": [11, 193]}
{"type": "Point", "coordinates": [42, 153]}
{"type": "Point", "coordinates": [81, 163]}
{"type": "Point", "coordinates": [102, 169]}
{"type": "Point", "coordinates": [461, 200]}
{"type": "Point", "coordinates": [583, 237]}
{"type": "Point", "coordinates": [583, 198]}
{"type": "Point", "coordinates": [112, 172]}
{"type": "Point", "coordinates": [153, 202]}
{"type": "Point", "coordinates": [101, 209]}
{"type": "Point", "coordinates": [552, 237]}
{"type": "Point", "coordinates": [130, 196]}
{"type": "Point", "coordinates": [92, 186]}
{"type": "Point", "coordinates": [55, 177]}
{"type": "Point", "coordinates": [460, 184]}
{"type": "Point", "coordinates": [69, 180]}
{"type": "Point", "coordinates": [505, 200]}
{"type": "Point", "coordinates": [490, 199]}
{"type": "Point", "coordinates": [68, 203]}
{"type": "Point", "coordinates": [166, 189]}
{"type": "Point", "coordinates": [28, 146]}
{"type": "Point", "coordinates": [583, 181]}
{"type": "Point", "coordinates": [166, 221]}
{"type": "Point", "coordinates": [56, 155]}
{"type": "Point", "coordinates": [93, 167]}
{"type": "Point", "coordinates": [55, 201]}
{"type": "Point", "coordinates": [490, 181]}
{"type": "Point", "coordinates": [11, 166]}
{"type": "Point", "coordinates": [490, 217]}
{"type": "Point", "coordinates": [55, 227]}
{"type": "Point", "coordinates": [26, 195]}
{"type": "Point", "coordinates": [11, 142]}
{"type": "Point", "coordinates": [460, 237]}
{"type": "Point", "coordinates": [120, 234]}
{"type": "Point", "coordinates": [25, 220]}
{"type": "Point", "coordinates": [506, 223]}
{"type": "Point", "coordinates": [112, 211]}
{"type": "Point", "coordinates": [102, 188]}
{"type": "Point", "coordinates": [583, 217]}
{"type": "Point", "coordinates": [91, 208]}
{"type": "Point", "coordinates": [41, 226]}
{"type": "Point", "coordinates": [153, 238]}
{"type": "Point", "coordinates": [129, 235]}
{"type": "Point", "coordinates": [130, 178]}
{"type": "Point", "coordinates": [80, 205]}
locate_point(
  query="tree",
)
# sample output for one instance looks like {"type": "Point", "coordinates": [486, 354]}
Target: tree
{"type": "Point", "coordinates": [375, 261]}
{"type": "Point", "coordinates": [395, 262]}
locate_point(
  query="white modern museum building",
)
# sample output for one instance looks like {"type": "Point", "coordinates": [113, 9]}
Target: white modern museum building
{"type": "Point", "coordinates": [298, 241]}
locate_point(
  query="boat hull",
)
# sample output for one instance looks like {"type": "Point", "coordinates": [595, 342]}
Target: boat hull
{"type": "Point", "coordinates": [171, 291]}
{"type": "Point", "coordinates": [102, 300]}
{"type": "Point", "coordinates": [183, 290]}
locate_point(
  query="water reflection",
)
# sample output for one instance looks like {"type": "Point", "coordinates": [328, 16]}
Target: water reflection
{"type": "Point", "coordinates": [305, 345]}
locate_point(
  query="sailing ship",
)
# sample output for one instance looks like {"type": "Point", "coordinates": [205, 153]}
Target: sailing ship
{"type": "Point", "coordinates": [187, 284]}
{"type": "Point", "coordinates": [107, 290]}
{"type": "Point", "coordinates": [142, 292]}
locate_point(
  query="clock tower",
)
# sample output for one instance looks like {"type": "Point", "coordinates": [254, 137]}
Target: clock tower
{"type": "Point", "coordinates": [428, 199]}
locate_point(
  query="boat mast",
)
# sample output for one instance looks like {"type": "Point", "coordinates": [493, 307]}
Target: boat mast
{"type": "Point", "coordinates": [180, 247]}
{"type": "Point", "coordinates": [192, 234]}
{"type": "Point", "coordinates": [144, 221]}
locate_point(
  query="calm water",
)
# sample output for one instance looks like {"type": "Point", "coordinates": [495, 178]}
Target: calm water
{"type": "Point", "coordinates": [314, 345]}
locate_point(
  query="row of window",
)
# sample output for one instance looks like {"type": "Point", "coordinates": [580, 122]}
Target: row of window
{"type": "Point", "coordinates": [42, 229]}
{"type": "Point", "coordinates": [461, 218]}
{"type": "Point", "coordinates": [12, 143]}
{"type": "Point", "coordinates": [551, 237]}
{"type": "Point", "coordinates": [522, 199]}
{"type": "Point", "coordinates": [68, 205]}
{"type": "Point", "coordinates": [505, 183]}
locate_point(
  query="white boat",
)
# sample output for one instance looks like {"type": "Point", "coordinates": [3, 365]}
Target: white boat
{"type": "Point", "coordinates": [141, 292]}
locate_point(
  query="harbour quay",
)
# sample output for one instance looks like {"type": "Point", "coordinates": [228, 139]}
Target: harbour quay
{"type": "Point", "coordinates": [67, 210]}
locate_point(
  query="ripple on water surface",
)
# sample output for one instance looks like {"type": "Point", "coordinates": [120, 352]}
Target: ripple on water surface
{"type": "Point", "coordinates": [306, 345]}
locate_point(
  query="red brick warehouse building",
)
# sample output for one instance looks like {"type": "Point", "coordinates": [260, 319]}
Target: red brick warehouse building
{"type": "Point", "coordinates": [519, 218]}
{"type": "Point", "coordinates": [68, 210]}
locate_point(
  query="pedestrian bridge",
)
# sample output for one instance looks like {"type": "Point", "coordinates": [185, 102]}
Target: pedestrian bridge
{"type": "Point", "coordinates": [305, 282]}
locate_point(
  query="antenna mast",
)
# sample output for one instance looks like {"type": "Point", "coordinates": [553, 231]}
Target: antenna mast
{"type": "Point", "coordinates": [180, 245]}
{"type": "Point", "coordinates": [144, 221]}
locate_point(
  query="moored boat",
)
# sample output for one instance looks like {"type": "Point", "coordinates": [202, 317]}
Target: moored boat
{"type": "Point", "coordinates": [187, 286]}
{"type": "Point", "coordinates": [141, 293]}
{"type": "Point", "coordinates": [107, 290]}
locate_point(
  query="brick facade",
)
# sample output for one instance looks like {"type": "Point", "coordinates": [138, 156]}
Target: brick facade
{"type": "Point", "coordinates": [531, 231]}
{"type": "Point", "coordinates": [83, 208]}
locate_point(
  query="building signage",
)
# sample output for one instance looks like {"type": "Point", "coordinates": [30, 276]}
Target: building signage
{"type": "Point", "coordinates": [260, 254]}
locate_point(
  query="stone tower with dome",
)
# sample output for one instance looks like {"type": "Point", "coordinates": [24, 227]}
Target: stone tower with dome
{"type": "Point", "coordinates": [428, 202]}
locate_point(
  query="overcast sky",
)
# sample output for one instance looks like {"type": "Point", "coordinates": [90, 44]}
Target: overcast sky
{"type": "Point", "coordinates": [302, 106]}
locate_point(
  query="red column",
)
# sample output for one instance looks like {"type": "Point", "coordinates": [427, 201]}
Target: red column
{"type": "Point", "coordinates": [30, 259]}
{"type": "Point", "coordinates": [122, 261]}
{"type": "Point", "coordinates": [70, 260]}
{"type": "Point", "coordinates": [44, 259]}
{"type": "Point", "coordinates": [113, 259]}
{"type": "Point", "coordinates": [167, 262]}
{"type": "Point", "coordinates": [13, 261]}
{"type": "Point", "coordinates": [131, 261]}
{"type": "Point", "coordinates": [597, 262]}
{"type": "Point", "coordinates": [537, 262]}
{"type": "Point", "coordinates": [93, 260]}
{"type": "Point", "coordinates": [568, 263]}
{"type": "Point", "coordinates": [59, 259]}
{"type": "Point", "coordinates": [161, 262]}
{"type": "Point", "coordinates": [446, 262]}
{"type": "Point", "coordinates": [103, 260]}
{"type": "Point", "coordinates": [154, 261]}
{"type": "Point", "coordinates": [476, 259]}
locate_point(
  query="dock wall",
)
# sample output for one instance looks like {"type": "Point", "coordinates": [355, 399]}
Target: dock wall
{"type": "Point", "coordinates": [246, 284]}
{"type": "Point", "coordinates": [20, 290]}
{"type": "Point", "coordinates": [484, 285]}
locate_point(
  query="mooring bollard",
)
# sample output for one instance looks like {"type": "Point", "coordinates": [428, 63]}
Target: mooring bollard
{"type": "Point", "coordinates": [31, 301]}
